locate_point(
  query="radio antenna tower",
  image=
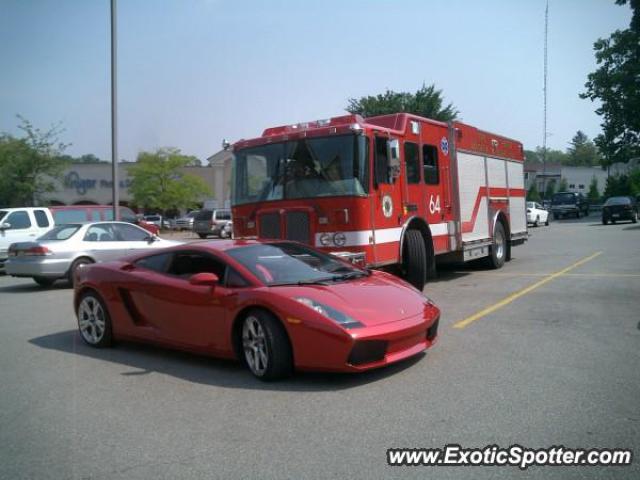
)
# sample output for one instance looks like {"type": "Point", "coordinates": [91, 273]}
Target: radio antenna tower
{"type": "Point", "coordinates": [544, 91]}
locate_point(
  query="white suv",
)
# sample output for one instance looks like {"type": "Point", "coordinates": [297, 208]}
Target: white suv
{"type": "Point", "coordinates": [22, 225]}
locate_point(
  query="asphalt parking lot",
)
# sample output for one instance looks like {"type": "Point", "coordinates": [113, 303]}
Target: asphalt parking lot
{"type": "Point", "coordinates": [545, 351]}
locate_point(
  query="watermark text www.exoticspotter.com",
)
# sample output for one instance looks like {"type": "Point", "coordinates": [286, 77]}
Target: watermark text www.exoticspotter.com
{"type": "Point", "coordinates": [515, 456]}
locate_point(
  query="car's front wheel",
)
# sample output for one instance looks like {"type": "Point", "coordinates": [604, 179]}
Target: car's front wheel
{"type": "Point", "coordinates": [266, 347]}
{"type": "Point", "coordinates": [94, 322]}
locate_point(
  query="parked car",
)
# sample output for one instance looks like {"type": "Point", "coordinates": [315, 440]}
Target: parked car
{"type": "Point", "coordinates": [565, 204]}
{"type": "Point", "coordinates": [61, 251]}
{"type": "Point", "coordinates": [275, 306]}
{"type": "Point", "coordinates": [227, 230]}
{"type": "Point", "coordinates": [211, 222]}
{"type": "Point", "coordinates": [619, 208]}
{"type": "Point", "coordinates": [158, 220]}
{"type": "Point", "coordinates": [64, 214]}
{"type": "Point", "coordinates": [21, 225]}
{"type": "Point", "coordinates": [536, 214]}
{"type": "Point", "coordinates": [186, 221]}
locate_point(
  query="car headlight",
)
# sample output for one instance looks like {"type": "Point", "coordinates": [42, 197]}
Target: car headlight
{"type": "Point", "coordinates": [325, 239]}
{"type": "Point", "coordinates": [326, 311]}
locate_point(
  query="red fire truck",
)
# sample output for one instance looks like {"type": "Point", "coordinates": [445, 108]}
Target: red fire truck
{"type": "Point", "coordinates": [391, 190]}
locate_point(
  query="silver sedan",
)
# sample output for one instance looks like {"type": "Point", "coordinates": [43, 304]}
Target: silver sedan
{"type": "Point", "coordinates": [59, 252]}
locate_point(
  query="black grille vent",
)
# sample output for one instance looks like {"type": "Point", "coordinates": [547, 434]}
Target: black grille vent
{"type": "Point", "coordinates": [298, 226]}
{"type": "Point", "coordinates": [269, 225]}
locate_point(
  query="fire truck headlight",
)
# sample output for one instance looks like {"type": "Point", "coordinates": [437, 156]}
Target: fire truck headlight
{"type": "Point", "coordinates": [325, 239]}
{"type": "Point", "coordinates": [340, 239]}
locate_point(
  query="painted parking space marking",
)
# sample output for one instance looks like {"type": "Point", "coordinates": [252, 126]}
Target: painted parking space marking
{"type": "Point", "coordinates": [514, 296]}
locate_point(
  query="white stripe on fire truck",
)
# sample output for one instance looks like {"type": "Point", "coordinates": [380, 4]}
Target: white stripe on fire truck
{"type": "Point", "coordinates": [360, 238]}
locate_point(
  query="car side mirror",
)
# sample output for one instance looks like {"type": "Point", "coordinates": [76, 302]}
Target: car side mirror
{"type": "Point", "coordinates": [5, 226]}
{"type": "Point", "coordinates": [152, 238]}
{"type": "Point", "coordinates": [204, 279]}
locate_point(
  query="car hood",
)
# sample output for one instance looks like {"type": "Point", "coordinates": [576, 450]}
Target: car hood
{"type": "Point", "coordinates": [374, 300]}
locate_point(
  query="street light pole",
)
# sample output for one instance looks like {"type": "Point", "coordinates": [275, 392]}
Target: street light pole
{"type": "Point", "coordinates": [114, 115]}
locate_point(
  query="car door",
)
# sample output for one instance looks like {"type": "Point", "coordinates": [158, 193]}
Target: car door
{"type": "Point", "coordinates": [182, 314]}
{"type": "Point", "coordinates": [20, 228]}
{"type": "Point", "coordinates": [133, 238]}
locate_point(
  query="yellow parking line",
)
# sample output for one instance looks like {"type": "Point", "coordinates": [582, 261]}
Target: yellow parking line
{"type": "Point", "coordinates": [514, 296]}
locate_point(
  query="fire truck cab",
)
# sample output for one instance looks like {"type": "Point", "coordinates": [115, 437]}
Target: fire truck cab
{"type": "Point", "coordinates": [392, 190]}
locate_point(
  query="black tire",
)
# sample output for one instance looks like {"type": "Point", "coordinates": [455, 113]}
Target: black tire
{"type": "Point", "coordinates": [89, 299]}
{"type": "Point", "coordinates": [546, 223]}
{"type": "Point", "coordinates": [274, 344]}
{"type": "Point", "coordinates": [202, 235]}
{"type": "Point", "coordinates": [498, 253]}
{"type": "Point", "coordinates": [537, 222]}
{"type": "Point", "coordinates": [414, 259]}
{"type": "Point", "coordinates": [605, 221]}
{"type": "Point", "coordinates": [74, 266]}
{"type": "Point", "coordinates": [556, 216]}
{"type": "Point", "coordinates": [44, 281]}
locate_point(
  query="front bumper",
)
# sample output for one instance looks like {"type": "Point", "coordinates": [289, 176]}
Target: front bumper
{"type": "Point", "coordinates": [37, 267]}
{"type": "Point", "coordinates": [368, 348]}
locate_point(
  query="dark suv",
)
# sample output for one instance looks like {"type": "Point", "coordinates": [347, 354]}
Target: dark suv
{"type": "Point", "coordinates": [619, 208]}
{"type": "Point", "coordinates": [564, 204]}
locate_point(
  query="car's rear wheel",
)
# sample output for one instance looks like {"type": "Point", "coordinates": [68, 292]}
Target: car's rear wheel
{"type": "Point", "coordinates": [498, 253]}
{"type": "Point", "coordinates": [71, 275]}
{"type": "Point", "coordinates": [94, 322]}
{"type": "Point", "coordinates": [414, 259]}
{"type": "Point", "coordinates": [44, 281]}
{"type": "Point", "coordinates": [266, 347]}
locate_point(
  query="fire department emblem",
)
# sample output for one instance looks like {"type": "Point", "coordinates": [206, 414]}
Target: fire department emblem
{"type": "Point", "coordinates": [387, 206]}
{"type": "Point", "coordinates": [444, 145]}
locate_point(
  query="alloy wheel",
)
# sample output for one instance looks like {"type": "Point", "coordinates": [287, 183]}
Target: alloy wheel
{"type": "Point", "coordinates": [91, 320]}
{"type": "Point", "coordinates": [254, 343]}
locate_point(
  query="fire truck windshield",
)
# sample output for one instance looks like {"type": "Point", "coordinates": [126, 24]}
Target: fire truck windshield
{"type": "Point", "coordinates": [301, 168]}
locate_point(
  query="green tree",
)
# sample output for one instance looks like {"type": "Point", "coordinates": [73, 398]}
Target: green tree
{"type": "Point", "coordinates": [617, 185]}
{"type": "Point", "coordinates": [616, 85]}
{"type": "Point", "coordinates": [29, 165]}
{"type": "Point", "coordinates": [426, 102]}
{"type": "Point", "coordinates": [593, 194]}
{"type": "Point", "coordinates": [563, 186]}
{"type": "Point", "coordinates": [582, 151]}
{"type": "Point", "coordinates": [157, 181]}
{"type": "Point", "coordinates": [532, 193]}
{"type": "Point", "coordinates": [550, 189]}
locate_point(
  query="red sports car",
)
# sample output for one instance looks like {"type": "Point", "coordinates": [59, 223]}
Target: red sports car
{"type": "Point", "coordinates": [274, 305]}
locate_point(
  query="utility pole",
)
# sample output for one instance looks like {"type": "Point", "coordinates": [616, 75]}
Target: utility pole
{"type": "Point", "coordinates": [544, 122]}
{"type": "Point", "coordinates": [114, 114]}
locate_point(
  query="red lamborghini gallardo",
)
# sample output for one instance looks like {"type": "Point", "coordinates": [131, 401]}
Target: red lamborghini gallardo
{"type": "Point", "coordinates": [274, 305]}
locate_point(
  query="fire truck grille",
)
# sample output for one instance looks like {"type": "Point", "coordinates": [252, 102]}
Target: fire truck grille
{"type": "Point", "coordinates": [269, 225]}
{"type": "Point", "coordinates": [298, 226]}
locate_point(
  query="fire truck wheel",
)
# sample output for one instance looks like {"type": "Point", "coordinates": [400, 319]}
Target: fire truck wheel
{"type": "Point", "coordinates": [414, 259]}
{"type": "Point", "coordinates": [499, 248]}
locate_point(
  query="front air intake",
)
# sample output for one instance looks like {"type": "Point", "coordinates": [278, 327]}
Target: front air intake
{"type": "Point", "coordinates": [367, 351]}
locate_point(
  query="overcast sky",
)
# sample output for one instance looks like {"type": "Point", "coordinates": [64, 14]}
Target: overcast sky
{"type": "Point", "coordinates": [192, 72]}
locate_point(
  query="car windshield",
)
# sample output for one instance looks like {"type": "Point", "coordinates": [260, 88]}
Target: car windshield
{"type": "Point", "coordinates": [286, 263]}
{"type": "Point", "coordinates": [617, 201]}
{"type": "Point", "coordinates": [61, 232]}
{"type": "Point", "coordinates": [560, 198]}
{"type": "Point", "coordinates": [304, 168]}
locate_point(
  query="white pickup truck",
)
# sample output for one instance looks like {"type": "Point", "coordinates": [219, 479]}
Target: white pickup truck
{"type": "Point", "coordinates": [22, 225]}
